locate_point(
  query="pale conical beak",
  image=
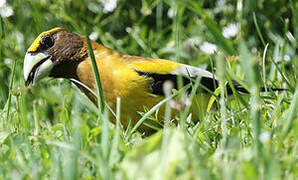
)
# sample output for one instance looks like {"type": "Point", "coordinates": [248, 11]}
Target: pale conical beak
{"type": "Point", "coordinates": [36, 67]}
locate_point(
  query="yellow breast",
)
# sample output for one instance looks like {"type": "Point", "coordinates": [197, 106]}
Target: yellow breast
{"type": "Point", "coordinates": [118, 79]}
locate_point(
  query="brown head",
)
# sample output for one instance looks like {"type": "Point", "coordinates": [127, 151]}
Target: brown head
{"type": "Point", "coordinates": [55, 53]}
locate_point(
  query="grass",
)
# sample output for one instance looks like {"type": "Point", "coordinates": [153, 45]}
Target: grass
{"type": "Point", "coordinates": [52, 131]}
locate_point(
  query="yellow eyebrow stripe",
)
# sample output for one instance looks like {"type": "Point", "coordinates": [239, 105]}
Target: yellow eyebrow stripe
{"type": "Point", "coordinates": [34, 46]}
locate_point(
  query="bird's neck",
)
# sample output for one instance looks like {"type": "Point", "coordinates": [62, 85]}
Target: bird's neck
{"type": "Point", "coordinates": [66, 70]}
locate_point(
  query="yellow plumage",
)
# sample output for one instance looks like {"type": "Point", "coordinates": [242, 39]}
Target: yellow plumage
{"type": "Point", "coordinates": [136, 80]}
{"type": "Point", "coordinates": [119, 79]}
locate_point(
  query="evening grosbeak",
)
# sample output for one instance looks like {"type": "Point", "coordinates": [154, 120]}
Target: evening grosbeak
{"type": "Point", "coordinates": [138, 81]}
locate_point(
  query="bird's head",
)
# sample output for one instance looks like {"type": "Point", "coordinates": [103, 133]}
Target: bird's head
{"type": "Point", "coordinates": [54, 53]}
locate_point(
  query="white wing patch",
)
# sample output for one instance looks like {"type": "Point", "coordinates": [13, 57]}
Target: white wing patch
{"type": "Point", "coordinates": [192, 71]}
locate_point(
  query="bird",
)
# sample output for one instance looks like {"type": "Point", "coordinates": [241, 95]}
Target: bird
{"type": "Point", "coordinates": [137, 81]}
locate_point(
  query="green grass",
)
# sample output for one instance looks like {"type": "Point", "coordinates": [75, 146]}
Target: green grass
{"type": "Point", "coordinates": [52, 131]}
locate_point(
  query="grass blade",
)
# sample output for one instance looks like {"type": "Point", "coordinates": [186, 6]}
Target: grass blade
{"type": "Point", "coordinates": [258, 29]}
{"type": "Point", "coordinates": [291, 116]}
{"type": "Point", "coordinates": [154, 108]}
{"type": "Point", "coordinates": [264, 68]}
{"type": "Point", "coordinates": [249, 66]}
{"type": "Point", "coordinates": [10, 89]}
{"type": "Point", "coordinates": [100, 98]}
{"type": "Point", "coordinates": [221, 77]}
{"type": "Point", "coordinates": [284, 77]}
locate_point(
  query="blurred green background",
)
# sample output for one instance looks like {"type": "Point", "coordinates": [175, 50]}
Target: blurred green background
{"type": "Point", "coordinates": [51, 130]}
{"type": "Point", "coordinates": [148, 28]}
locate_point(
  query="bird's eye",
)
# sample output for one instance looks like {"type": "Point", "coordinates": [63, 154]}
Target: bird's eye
{"type": "Point", "coordinates": [46, 42]}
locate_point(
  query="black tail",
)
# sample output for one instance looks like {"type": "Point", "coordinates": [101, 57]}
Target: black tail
{"type": "Point", "coordinates": [241, 89]}
{"type": "Point", "coordinates": [263, 89]}
{"type": "Point", "coordinates": [207, 84]}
